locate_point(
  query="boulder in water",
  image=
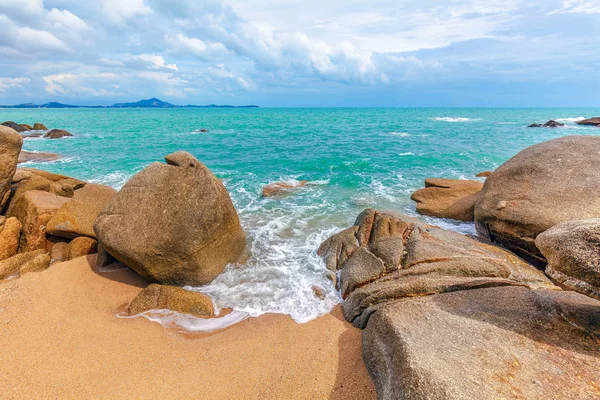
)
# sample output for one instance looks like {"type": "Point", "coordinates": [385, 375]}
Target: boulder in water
{"type": "Point", "coordinates": [14, 126]}
{"type": "Point", "coordinates": [174, 223]}
{"type": "Point", "coordinates": [542, 186]}
{"type": "Point", "coordinates": [27, 126]}
{"type": "Point", "coordinates": [163, 297]}
{"type": "Point", "coordinates": [282, 187]}
{"type": "Point", "coordinates": [39, 127]}
{"type": "Point", "coordinates": [57, 134]}
{"type": "Point", "coordinates": [591, 121]}
{"type": "Point", "coordinates": [26, 156]}
{"type": "Point", "coordinates": [10, 147]}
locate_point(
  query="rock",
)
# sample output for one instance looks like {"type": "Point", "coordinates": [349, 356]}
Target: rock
{"type": "Point", "coordinates": [82, 246]}
{"type": "Point", "coordinates": [32, 135]}
{"type": "Point", "coordinates": [318, 291]}
{"type": "Point", "coordinates": [57, 134]}
{"type": "Point", "coordinates": [448, 198]}
{"type": "Point", "coordinates": [29, 181]}
{"type": "Point", "coordinates": [573, 253]}
{"type": "Point", "coordinates": [103, 259]}
{"type": "Point", "coordinates": [484, 174]}
{"type": "Point", "coordinates": [77, 216]}
{"type": "Point", "coordinates": [161, 297]}
{"type": "Point", "coordinates": [10, 233]}
{"type": "Point", "coordinates": [12, 265]}
{"type": "Point", "coordinates": [591, 121]}
{"type": "Point", "coordinates": [535, 126]}
{"type": "Point", "coordinates": [26, 126]}
{"type": "Point", "coordinates": [173, 223]}
{"type": "Point", "coordinates": [39, 127]}
{"type": "Point", "coordinates": [76, 183]}
{"type": "Point", "coordinates": [542, 186]}
{"type": "Point", "coordinates": [39, 263]}
{"type": "Point", "coordinates": [279, 188]}
{"type": "Point", "coordinates": [10, 147]}
{"type": "Point", "coordinates": [14, 126]}
{"type": "Point", "coordinates": [553, 124]}
{"type": "Point", "coordinates": [34, 209]}
{"type": "Point", "coordinates": [59, 252]}
{"type": "Point", "coordinates": [26, 156]}
{"type": "Point", "coordinates": [494, 343]}
{"type": "Point", "coordinates": [429, 260]}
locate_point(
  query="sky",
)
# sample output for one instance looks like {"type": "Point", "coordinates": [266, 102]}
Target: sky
{"type": "Point", "coordinates": [310, 53]}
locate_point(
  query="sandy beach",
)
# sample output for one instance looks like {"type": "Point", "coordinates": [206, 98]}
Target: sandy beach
{"type": "Point", "coordinates": [60, 338]}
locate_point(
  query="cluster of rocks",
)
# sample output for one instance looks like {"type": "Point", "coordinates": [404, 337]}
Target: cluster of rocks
{"type": "Point", "coordinates": [44, 217]}
{"type": "Point", "coordinates": [555, 124]}
{"type": "Point", "coordinates": [591, 121]}
{"type": "Point", "coordinates": [451, 316]}
{"type": "Point", "coordinates": [49, 134]}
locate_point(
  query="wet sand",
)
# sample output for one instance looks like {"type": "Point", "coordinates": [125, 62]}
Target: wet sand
{"type": "Point", "coordinates": [60, 338]}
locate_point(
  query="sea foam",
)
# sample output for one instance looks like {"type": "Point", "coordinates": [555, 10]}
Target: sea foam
{"type": "Point", "coordinates": [456, 119]}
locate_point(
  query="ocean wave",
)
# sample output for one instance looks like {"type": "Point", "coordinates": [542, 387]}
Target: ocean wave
{"type": "Point", "coordinates": [456, 119]}
{"type": "Point", "coordinates": [572, 120]}
{"type": "Point", "coordinates": [116, 179]}
{"type": "Point", "coordinates": [189, 323]}
{"type": "Point", "coordinates": [401, 134]}
{"type": "Point", "coordinates": [406, 154]}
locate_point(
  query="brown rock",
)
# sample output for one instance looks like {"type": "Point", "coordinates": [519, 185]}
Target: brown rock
{"type": "Point", "coordinates": [553, 124]}
{"type": "Point", "coordinates": [10, 147]}
{"type": "Point", "coordinates": [28, 182]}
{"type": "Point", "coordinates": [59, 252]}
{"type": "Point", "coordinates": [591, 121]}
{"type": "Point", "coordinates": [57, 134]}
{"type": "Point", "coordinates": [432, 260]}
{"type": "Point", "coordinates": [484, 174]}
{"type": "Point", "coordinates": [573, 253]}
{"type": "Point", "coordinates": [10, 232]}
{"type": "Point", "coordinates": [319, 292]}
{"type": "Point", "coordinates": [448, 198]}
{"type": "Point", "coordinates": [487, 344]}
{"type": "Point", "coordinates": [172, 298]}
{"type": "Point", "coordinates": [279, 188]}
{"type": "Point", "coordinates": [540, 187]}
{"type": "Point", "coordinates": [32, 135]}
{"type": "Point", "coordinates": [78, 215]}
{"type": "Point", "coordinates": [28, 127]}
{"type": "Point", "coordinates": [173, 223]}
{"type": "Point", "coordinates": [26, 156]}
{"type": "Point", "coordinates": [12, 265]}
{"type": "Point", "coordinates": [39, 127]}
{"type": "Point", "coordinates": [82, 246]}
{"type": "Point", "coordinates": [14, 126]}
{"type": "Point", "coordinates": [39, 263]}
{"type": "Point", "coordinates": [34, 209]}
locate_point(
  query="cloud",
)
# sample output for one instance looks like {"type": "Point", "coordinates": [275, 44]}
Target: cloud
{"type": "Point", "coordinates": [578, 7]}
{"type": "Point", "coordinates": [69, 83]}
{"type": "Point", "coordinates": [155, 61]}
{"type": "Point", "coordinates": [120, 11]}
{"type": "Point", "coordinates": [6, 83]}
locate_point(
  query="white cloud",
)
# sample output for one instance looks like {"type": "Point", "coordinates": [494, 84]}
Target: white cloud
{"type": "Point", "coordinates": [29, 38]}
{"type": "Point", "coordinates": [156, 61]}
{"type": "Point", "coordinates": [162, 77]}
{"type": "Point", "coordinates": [119, 11]}
{"type": "Point", "coordinates": [197, 47]}
{"type": "Point", "coordinates": [6, 83]}
{"type": "Point", "coordinates": [579, 7]}
{"type": "Point", "coordinates": [66, 20]}
{"type": "Point", "coordinates": [69, 83]}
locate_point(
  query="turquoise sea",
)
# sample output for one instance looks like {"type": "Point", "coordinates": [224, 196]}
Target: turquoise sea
{"type": "Point", "coordinates": [354, 158]}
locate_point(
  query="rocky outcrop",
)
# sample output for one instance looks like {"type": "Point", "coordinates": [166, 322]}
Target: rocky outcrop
{"type": "Point", "coordinates": [573, 253]}
{"type": "Point", "coordinates": [26, 181]}
{"type": "Point", "coordinates": [33, 261]}
{"type": "Point", "coordinates": [281, 188]}
{"type": "Point", "coordinates": [39, 127]}
{"type": "Point", "coordinates": [386, 257]}
{"type": "Point", "coordinates": [57, 134]}
{"type": "Point", "coordinates": [10, 233]}
{"type": "Point", "coordinates": [448, 198]}
{"type": "Point", "coordinates": [27, 156]}
{"type": "Point", "coordinates": [590, 121]}
{"type": "Point", "coordinates": [14, 126]}
{"type": "Point", "coordinates": [27, 126]}
{"type": "Point", "coordinates": [34, 209]}
{"type": "Point", "coordinates": [10, 147]}
{"type": "Point", "coordinates": [550, 124]}
{"type": "Point", "coordinates": [161, 297]}
{"type": "Point", "coordinates": [77, 216]}
{"type": "Point", "coordinates": [540, 187]}
{"type": "Point", "coordinates": [487, 344]}
{"type": "Point", "coordinates": [173, 223]}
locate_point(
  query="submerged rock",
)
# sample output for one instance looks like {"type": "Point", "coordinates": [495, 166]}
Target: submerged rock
{"type": "Point", "coordinates": [542, 186]}
{"type": "Point", "coordinates": [448, 198]}
{"type": "Point", "coordinates": [394, 256]}
{"type": "Point", "coordinates": [10, 147]}
{"type": "Point", "coordinates": [573, 253]}
{"type": "Point", "coordinates": [14, 126]}
{"type": "Point", "coordinates": [57, 134]}
{"type": "Point", "coordinates": [26, 156]}
{"type": "Point", "coordinates": [590, 121]}
{"type": "Point", "coordinates": [162, 297]}
{"type": "Point", "coordinates": [280, 188]}
{"type": "Point", "coordinates": [550, 124]}
{"type": "Point", "coordinates": [174, 223]}
{"type": "Point", "coordinates": [502, 342]}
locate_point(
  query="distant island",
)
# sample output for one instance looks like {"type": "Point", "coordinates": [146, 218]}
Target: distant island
{"type": "Point", "coordinates": [150, 103]}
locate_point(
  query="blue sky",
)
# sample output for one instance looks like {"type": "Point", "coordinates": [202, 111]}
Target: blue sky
{"type": "Point", "coordinates": [302, 53]}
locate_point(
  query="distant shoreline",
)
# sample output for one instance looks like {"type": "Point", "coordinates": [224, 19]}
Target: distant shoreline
{"type": "Point", "coordinates": [150, 103]}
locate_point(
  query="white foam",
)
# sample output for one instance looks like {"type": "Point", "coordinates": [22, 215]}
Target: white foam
{"type": "Point", "coordinates": [456, 119]}
{"type": "Point", "coordinates": [401, 134]}
{"type": "Point", "coordinates": [572, 120]}
{"type": "Point", "coordinates": [407, 154]}
{"type": "Point", "coordinates": [116, 179]}
{"type": "Point", "coordinates": [189, 323]}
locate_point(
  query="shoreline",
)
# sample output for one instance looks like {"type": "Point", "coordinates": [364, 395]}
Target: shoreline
{"type": "Point", "coordinates": [61, 337]}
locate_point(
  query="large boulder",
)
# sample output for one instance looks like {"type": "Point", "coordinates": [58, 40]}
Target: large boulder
{"type": "Point", "coordinates": [163, 297]}
{"type": "Point", "coordinates": [34, 209]}
{"type": "Point", "coordinates": [57, 134]}
{"type": "Point", "coordinates": [31, 261]}
{"type": "Point", "coordinates": [573, 253]}
{"type": "Point", "coordinates": [39, 127]}
{"type": "Point", "coordinates": [448, 198]}
{"type": "Point", "coordinates": [386, 257]}
{"type": "Point", "coordinates": [10, 233]}
{"type": "Point", "coordinates": [486, 344]}
{"type": "Point", "coordinates": [540, 187]}
{"type": "Point", "coordinates": [14, 126]}
{"type": "Point", "coordinates": [173, 223]}
{"type": "Point", "coordinates": [27, 156]}
{"type": "Point", "coordinates": [77, 216]}
{"type": "Point", "coordinates": [26, 181]}
{"type": "Point", "coordinates": [591, 121]}
{"type": "Point", "coordinates": [10, 147]}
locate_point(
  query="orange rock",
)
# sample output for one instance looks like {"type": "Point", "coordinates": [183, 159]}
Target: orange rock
{"type": "Point", "coordinates": [279, 188]}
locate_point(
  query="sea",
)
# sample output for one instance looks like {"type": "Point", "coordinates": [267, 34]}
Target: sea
{"type": "Point", "coordinates": [353, 158]}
